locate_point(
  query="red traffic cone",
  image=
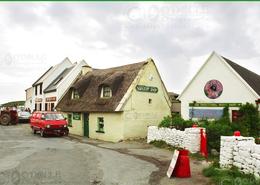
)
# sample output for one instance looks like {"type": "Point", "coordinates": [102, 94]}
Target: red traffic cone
{"type": "Point", "coordinates": [182, 168]}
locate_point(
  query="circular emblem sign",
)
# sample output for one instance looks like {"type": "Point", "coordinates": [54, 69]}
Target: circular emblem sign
{"type": "Point", "coordinates": [213, 89]}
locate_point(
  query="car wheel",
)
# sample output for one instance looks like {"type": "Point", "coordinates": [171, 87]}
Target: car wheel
{"type": "Point", "coordinates": [33, 131]}
{"type": "Point", "coordinates": [42, 133]}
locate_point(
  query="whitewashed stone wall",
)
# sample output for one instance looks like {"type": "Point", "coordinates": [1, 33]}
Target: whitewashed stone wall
{"type": "Point", "coordinates": [241, 152]}
{"type": "Point", "coordinates": [188, 139]}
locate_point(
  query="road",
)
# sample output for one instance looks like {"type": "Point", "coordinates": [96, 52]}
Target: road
{"type": "Point", "coordinates": [28, 159]}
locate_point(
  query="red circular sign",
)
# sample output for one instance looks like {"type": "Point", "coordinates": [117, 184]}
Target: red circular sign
{"type": "Point", "coordinates": [213, 89]}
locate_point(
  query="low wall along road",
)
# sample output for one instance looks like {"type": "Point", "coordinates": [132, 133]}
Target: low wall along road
{"type": "Point", "coordinates": [241, 152]}
{"type": "Point", "coordinates": [188, 139]}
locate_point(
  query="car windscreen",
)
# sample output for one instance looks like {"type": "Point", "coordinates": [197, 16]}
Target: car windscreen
{"type": "Point", "coordinates": [25, 114]}
{"type": "Point", "coordinates": [54, 117]}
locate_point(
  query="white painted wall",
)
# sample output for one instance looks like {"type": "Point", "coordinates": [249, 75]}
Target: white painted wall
{"type": "Point", "coordinates": [241, 152]}
{"type": "Point", "coordinates": [52, 75]}
{"type": "Point", "coordinates": [234, 90]}
{"type": "Point", "coordinates": [66, 63]}
{"type": "Point", "coordinates": [69, 79]}
{"type": "Point", "coordinates": [188, 139]}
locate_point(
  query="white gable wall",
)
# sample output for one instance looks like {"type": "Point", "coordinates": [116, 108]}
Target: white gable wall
{"type": "Point", "coordinates": [66, 63]}
{"type": "Point", "coordinates": [69, 79]}
{"type": "Point", "coordinates": [234, 90]}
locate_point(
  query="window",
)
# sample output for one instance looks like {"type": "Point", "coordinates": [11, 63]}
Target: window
{"type": "Point", "coordinates": [52, 106]}
{"type": "Point", "coordinates": [54, 116]}
{"type": "Point", "coordinates": [40, 88]}
{"type": "Point", "coordinates": [40, 106]}
{"type": "Point", "coordinates": [76, 116]}
{"type": "Point", "coordinates": [100, 124]}
{"type": "Point", "coordinates": [75, 94]}
{"type": "Point", "coordinates": [46, 106]}
{"type": "Point", "coordinates": [106, 92]}
{"type": "Point", "coordinates": [35, 90]}
{"type": "Point", "coordinates": [150, 101]}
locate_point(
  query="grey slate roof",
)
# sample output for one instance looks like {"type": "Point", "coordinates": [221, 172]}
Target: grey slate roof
{"type": "Point", "coordinates": [38, 80]}
{"type": "Point", "coordinates": [52, 87]}
{"type": "Point", "coordinates": [252, 79]}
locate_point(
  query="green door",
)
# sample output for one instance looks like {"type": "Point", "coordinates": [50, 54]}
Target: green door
{"type": "Point", "coordinates": [86, 125]}
{"type": "Point", "coordinates": [69, 120]}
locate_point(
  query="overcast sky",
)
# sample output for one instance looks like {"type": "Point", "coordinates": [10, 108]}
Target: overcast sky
{"type": "Point", "coordinates": [179, 37]}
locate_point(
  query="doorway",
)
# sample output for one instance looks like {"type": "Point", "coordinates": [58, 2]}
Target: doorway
{"type": "Point", "coordinates": [86, 124]}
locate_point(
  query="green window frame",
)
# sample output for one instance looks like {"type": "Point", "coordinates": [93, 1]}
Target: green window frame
{"type": "Point", "coordinates": [76, 116]}
{"type": "Point", "coordinates": [100, 124]}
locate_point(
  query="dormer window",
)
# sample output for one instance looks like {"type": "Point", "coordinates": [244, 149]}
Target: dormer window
{"type": "Point", "coordinates": [75, 94]}
{"type": "Point", "coordinates": [106, 92]}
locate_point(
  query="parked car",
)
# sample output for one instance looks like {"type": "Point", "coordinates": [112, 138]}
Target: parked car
{"type": "Point", "coordinates": [24, 117]}
{"type": "Point", "coordinates": [47, 123]}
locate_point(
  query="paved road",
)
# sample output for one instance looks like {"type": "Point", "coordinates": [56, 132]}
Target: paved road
{"type": "Point", "coordinates": [28, 159]}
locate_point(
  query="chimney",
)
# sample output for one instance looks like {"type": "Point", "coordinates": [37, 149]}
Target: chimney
{"type": "Point", "coordinates": [85, 69]}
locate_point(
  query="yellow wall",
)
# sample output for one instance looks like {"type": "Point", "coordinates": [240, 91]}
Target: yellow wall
{"type": "Point", "coordinates": [138, 113]}
{"type": "Point", "coordinates": [113, 126]}
{"type": "Point", "coordinates": [77, 125]}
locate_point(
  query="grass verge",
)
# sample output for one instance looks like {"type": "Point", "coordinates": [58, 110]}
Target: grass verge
{"type": "Point", "coordinates": [229, 176]}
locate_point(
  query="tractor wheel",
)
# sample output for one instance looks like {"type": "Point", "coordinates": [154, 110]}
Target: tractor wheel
{"type": "Point", "coordinates": [5, 119]}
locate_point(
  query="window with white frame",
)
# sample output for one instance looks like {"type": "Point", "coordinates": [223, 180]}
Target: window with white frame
{"type": "Point", "coordinates": [100, 124]}
{"type": "Point", "coordinates": [106, 92]}
{"type": "Point", "coordinates": [75, 94]}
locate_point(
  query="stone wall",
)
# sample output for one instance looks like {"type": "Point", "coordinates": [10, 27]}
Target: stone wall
{"type": "Point", "coordinates": [241, 152]}
{"type": "Point", "coordinates": [188, 139]}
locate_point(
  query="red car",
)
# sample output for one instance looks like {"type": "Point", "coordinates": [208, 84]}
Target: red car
{"type": "Point", "coordinates": [49, 123]}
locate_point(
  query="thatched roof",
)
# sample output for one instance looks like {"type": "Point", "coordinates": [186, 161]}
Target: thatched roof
{"type": "Point", "coordinates": [89, 88]}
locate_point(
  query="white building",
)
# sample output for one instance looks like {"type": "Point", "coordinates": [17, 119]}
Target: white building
{"type": "Point", "coordinates": [28, 101]}
{"type": "Point", "coordinates": [219, 83]}
{"type": "Point", "coordinates": [51, 86]}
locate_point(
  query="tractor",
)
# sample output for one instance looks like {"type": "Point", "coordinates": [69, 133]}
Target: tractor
{"type": "Point", "coordinates": [8, 117]}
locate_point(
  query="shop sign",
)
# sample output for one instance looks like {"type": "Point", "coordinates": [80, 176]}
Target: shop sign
{"type": "Point", "coordinates": [76, 116]}
{"type": "Point", "coordinates": [38, 99]}
{"type": "Point", "coordinates": [143, 88]}
{"type": "Point", "coordinates": [215, 104]}
{"type": "Point", "coordinates": [50, 99]}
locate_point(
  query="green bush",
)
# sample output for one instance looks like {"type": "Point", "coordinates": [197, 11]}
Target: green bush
{"type": "Point", "coordinates": [214, 130]}
{"type": "Point", "coordinates": [229, 176]}
{"type": "Point", "coordinates": [175, 121]}
{"type": "Point", "coordinates": [166, 122]}
{"type": "Point", "coordinates": [249, 122]}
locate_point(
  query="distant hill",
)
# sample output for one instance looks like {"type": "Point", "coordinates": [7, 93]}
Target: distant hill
{"type": "Point", "coordinates": [13, 104]}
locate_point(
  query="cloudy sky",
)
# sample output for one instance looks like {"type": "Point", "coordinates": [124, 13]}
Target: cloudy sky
{"type": "Point", "coordinates": [179, 37]}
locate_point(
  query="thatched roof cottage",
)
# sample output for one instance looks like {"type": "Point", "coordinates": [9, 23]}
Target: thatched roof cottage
{"type": "Point", "coordinates": [117, 103]}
